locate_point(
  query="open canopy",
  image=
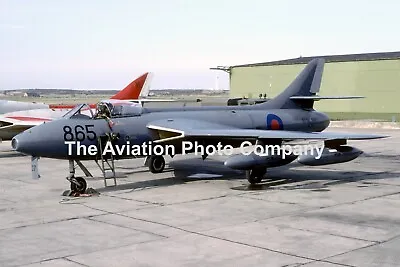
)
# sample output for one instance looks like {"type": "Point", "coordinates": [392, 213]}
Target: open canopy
{"type": "Point", "coordinates": [105, 108]}
{"type": "Point", "coordinates": [79, 111]}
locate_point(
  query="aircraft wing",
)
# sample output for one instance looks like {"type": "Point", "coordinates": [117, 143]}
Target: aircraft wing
{"type": "Point", "coordinates": [14, 123]}
{"type": "Point", "coordinates": [9, 127]}
{"type": "Point", "coordinates": [22, 121]}
{"type": "Point", "coordinates": [173, 129]}
{"type": "Point", "coordinates": [150, 100]}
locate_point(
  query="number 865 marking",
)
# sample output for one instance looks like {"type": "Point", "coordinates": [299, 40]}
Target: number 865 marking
{"type": "Point", "coordinates": [80, 133]}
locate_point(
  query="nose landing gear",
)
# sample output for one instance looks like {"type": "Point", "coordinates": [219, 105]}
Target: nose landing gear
{"type": "Point", "coordinates": [78, 185]}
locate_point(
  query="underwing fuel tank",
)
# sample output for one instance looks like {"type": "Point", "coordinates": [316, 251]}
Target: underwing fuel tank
{"type": "Point", "coordinates": [331, 156]}
{"type": "Point", "coordinates": [247, 162]}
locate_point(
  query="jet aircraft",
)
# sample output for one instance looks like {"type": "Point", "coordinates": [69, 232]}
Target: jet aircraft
{"type": "Point", "coordinates": [288, 117]}
{"type": "Point", "coordinates": [27, 115]}
{"type": "Point", "coordinates": [7, 106]}
{"type": "Point", "coordinates": [12, 106]}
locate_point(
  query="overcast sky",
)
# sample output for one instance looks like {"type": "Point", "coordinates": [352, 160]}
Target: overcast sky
{"type": "Point", "coordinates": [106, 44]}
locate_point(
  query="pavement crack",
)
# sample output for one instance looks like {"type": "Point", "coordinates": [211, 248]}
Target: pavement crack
{"type": "Point", "coordinates": [360, 200]}
{"type": "Point", "coordinates": [160, 204]}
{"type": "Point", "coordinates": [126, 227]}
{"type": "Point", "coordinates": [46, 222]}
{"type": "Point", "coordinates": [229, 240]}
{"type": "Point", "coordinates": [137, 200]}
{"type": "Point", "coordinates": [265, 200]}
{"type": "Point", "coordinates": [65, 258]}
{"type": "Point", "coordinates": [301, 211]}
{"type": "Point", "coordinates": [363, 247]}
{"type": "Point", "coordinates": [336, 235]}
{"type": "Point", "coordinates": [92, 218]}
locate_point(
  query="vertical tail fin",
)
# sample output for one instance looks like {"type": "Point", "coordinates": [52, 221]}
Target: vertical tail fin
{"type": "Point", "coordinates": [146, 85]}
{"type": "Point", "coordinates": [307, 83]}
{"type": "Point", "coordinates": [134, 89]}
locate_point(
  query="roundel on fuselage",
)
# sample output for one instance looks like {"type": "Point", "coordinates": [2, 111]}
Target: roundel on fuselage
{"type": "Point", "coordinates": [274, 122]}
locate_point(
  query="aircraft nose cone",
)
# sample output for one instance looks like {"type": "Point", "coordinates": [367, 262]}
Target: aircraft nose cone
{"type": "Point", "coordinates": [21, 143]}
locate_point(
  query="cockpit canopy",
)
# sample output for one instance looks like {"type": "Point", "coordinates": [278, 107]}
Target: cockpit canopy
{"type": "Point", "coordinates": [107, 108]}
{"type": "Point", "coordinates": [126, 109]}
{"type": "Point", "coordinates": [79, 111]}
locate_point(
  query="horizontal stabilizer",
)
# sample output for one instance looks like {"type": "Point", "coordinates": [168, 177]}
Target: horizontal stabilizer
{"type": "Point", "coordinates": [316, 97]}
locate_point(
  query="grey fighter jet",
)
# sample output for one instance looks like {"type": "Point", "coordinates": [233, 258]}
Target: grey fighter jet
{"type": "Point", "coordinates": [289, 117]}
{"type": "Point", "coordinates": [12, 106]}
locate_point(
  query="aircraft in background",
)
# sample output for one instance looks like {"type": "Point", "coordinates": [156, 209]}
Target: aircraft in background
{"type": "Point", "coordinates": [27, 115]}
{"type": "Point", "coordinates": [12, 106]}
{"type": "Point", "coordinates": [240, 101]}
{"type": "Point", "coordinates": [284, 119]}
{"type": "Point", "coordinates": [139, 87]}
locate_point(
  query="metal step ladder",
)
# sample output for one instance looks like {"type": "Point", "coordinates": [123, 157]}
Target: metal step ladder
{"type": "Point", "coordinates": [107, 163]}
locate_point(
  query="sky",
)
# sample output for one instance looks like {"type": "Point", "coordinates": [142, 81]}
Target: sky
{"type": "Point", "coordinates": [102, 44]}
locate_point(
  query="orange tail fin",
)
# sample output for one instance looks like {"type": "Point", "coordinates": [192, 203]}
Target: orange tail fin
{"type": "Point", "coordinates": [133, 90]}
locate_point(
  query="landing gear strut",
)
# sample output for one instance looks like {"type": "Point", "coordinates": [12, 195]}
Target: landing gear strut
{"type": "Point", "coordinates": [78, 184]}
{"type": "Point", "coordinates": [255, 175]}
{"type": "Point", "coordinates": [156, 164]}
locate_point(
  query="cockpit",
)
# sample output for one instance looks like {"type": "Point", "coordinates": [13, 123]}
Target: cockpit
{"type": "Point", "coordinates": [105, 109]}
{"type": "Point", "coordinates": [83, 111]}
{"type": "Point", "coordinates": [126, 109]}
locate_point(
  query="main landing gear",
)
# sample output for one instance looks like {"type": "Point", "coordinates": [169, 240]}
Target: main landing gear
{"type": "Point", "coordinates": [255, 175]}
{"type": "Point", "coordinates": [156, 164]}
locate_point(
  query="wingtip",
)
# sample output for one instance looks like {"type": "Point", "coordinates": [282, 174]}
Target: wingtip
{"type": "Point", "coordinates": [376, 137]}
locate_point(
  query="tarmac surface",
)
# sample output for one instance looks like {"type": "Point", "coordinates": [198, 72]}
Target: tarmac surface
{"type": "Point", "coordinates": [198, 213]}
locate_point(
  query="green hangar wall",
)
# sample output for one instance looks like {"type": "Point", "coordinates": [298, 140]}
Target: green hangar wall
{"type": "Point", "coordinates": [375, 76]}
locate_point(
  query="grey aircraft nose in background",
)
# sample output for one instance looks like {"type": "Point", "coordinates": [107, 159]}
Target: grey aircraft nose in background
{"type": "Point", "coordinates": [7, 106]}
{"type": "Point", "coordinates": [286, 118]}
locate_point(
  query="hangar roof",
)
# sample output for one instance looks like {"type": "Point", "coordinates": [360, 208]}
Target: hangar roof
{"type": "Point", "coordinates": [329, 58]}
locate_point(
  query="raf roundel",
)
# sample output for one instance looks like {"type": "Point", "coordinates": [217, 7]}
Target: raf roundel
{"type": "Point", "coordinates": [274, 122]}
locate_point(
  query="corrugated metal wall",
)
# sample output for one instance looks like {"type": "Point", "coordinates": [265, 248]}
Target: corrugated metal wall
{"type": "Point", "coordinates": [378, 81]}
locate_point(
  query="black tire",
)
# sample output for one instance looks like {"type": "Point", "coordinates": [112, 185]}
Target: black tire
{"type": "Point", "coordinates": [78, 185]}
{"type": "Point", "coordinates": [156, 164]}
{"type": "Point", "coordinates": [255, 176]}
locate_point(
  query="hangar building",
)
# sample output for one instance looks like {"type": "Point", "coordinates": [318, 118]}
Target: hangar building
{"type": "Point", "coordinates": [375, 76]}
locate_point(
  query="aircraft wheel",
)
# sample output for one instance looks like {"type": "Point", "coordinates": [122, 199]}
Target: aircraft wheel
{"type": "Point", "coordinates": [255, 176]}
{"type": "Point", "coordinates": [156, 164]}
{"type": "Point", "coordinates": [78, 185]}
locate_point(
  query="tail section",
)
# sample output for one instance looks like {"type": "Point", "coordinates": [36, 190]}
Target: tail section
{"type": "Point", "coordinates": [146, 85]}
{"type": "Point", "coordinates": [301, 92]}
{"type": "Point", "coordinates": [134, 89]}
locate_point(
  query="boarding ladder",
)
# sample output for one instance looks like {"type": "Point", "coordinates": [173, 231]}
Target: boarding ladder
{"type": "Point", "coordinates": [107, 161]}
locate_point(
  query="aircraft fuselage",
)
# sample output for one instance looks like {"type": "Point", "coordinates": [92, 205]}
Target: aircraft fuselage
{"type": "Point", "coordinates": [49, 140]}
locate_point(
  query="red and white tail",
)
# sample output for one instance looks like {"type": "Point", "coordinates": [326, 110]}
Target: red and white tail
{"type": "Point", "coordinates": [139, 87]}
